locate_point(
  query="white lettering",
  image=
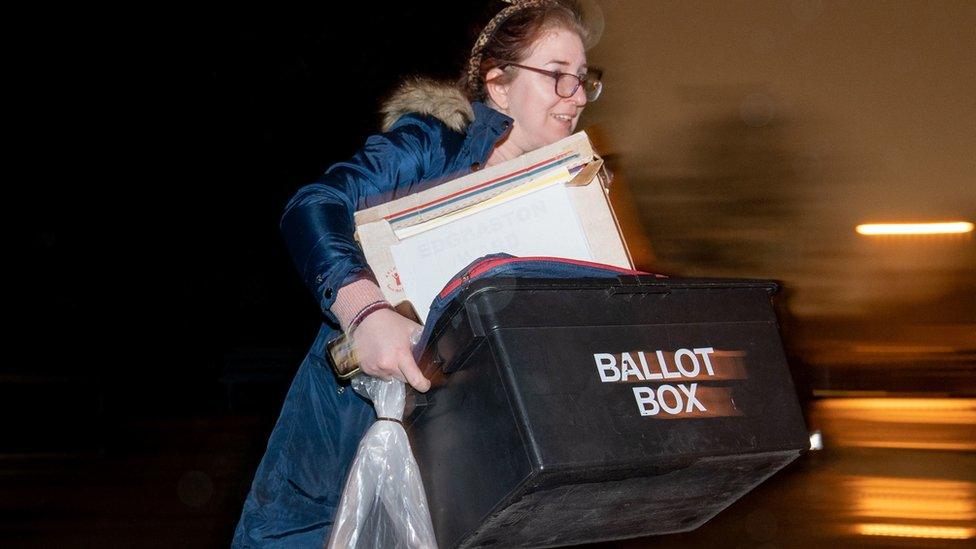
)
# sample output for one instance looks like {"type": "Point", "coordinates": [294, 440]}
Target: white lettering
{"type": "Point", "coordinates": [664, 367]}
{"type": "Point", "coordinates": [645, 397]}
{"type": "Point", "coordinates": [681, 367]}
{"type": "Point", "coordinates": [664, 390]}
{"type": "Point", "coordinates": [606, 364]}
{"type": "Point", "coordinates": [647, 372]}
{"type": "Point", "coordinates": [667, 398]}
{"type": "Point", "coordinates": [704, 352]}
{"type": "Point", "coordinates": [692, 401]}
{"type": "Point", "coordinates": [628, 368]}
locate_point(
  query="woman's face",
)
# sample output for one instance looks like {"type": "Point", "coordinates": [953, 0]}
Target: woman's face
{"type": "Point", "coordinates": [542, 117]}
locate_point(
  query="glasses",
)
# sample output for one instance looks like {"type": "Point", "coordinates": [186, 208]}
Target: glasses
{"type": "Point", "coordinates": [567, 84]}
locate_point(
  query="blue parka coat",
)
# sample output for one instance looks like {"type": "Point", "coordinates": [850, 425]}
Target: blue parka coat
{"type": "Point", "coordinates": [432, 134]}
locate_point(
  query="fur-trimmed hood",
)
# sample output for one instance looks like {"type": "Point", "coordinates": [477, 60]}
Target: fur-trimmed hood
{"type": "Point", "coordinates": [442, 100]}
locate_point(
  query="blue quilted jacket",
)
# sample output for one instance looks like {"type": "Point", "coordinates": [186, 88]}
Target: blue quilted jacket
{"type": "Point", "coordinates": [417, 152]}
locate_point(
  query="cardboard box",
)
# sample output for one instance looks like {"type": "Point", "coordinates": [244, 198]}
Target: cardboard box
{"type": "Point", "coordinates": [563, 186]}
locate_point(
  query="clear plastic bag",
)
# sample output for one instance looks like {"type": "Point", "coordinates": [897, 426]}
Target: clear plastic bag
{"type": "Point", "coordinates": [383, 504]}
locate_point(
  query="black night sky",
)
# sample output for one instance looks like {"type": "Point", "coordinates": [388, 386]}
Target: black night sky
{"type": "Point", "coordinates": [152, 289]}
{"type": "Point", "coordinates": [153, 268]}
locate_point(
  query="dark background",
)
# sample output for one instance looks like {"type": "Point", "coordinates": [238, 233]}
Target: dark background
{"type": "Point", "coordinates": [156, 316]}
{"type": "Point", "coordinates": [171, 251]}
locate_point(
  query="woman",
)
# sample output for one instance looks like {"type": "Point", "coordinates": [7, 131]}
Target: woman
{"type": "Point", "coordinates": [525, 87]}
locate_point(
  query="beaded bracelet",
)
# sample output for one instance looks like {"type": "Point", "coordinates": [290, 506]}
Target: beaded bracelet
{"type": "Point", "coordinates": [365, 312]}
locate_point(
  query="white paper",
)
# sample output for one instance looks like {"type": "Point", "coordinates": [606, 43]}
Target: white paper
{"type": "Point", "coordinates": [539, 223]}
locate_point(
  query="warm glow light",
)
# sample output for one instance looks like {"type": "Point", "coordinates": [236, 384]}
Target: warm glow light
{"type": "Point", "coordinates": [942, 505]}
{"type": "Point", "coordinates": [916, 487]}
{"type": "Point", "coordinates": [942, 404]}
{"type": "Point", "coordinates": [816, 440]}
{"type": "Point", "coordinates": [874, 229]}
{"type": "Point", "coordinates": [913, 531]}
{"type": "Point", "coordinates": [940, 411]}
{"type": "Point", "coordinates": [913, 498]}
{"type": "Point", "coordinates": [916, 508]}
{"type": "Point", "coordinates": [943, 424]}
{"type": "Point", "coordinates": [905, 444]}
{"type": "Point", "coordinates": [903, 349]}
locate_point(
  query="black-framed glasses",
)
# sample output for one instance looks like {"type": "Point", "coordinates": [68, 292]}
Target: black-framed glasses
{"type": "Point", "coordinates": [567, 84]}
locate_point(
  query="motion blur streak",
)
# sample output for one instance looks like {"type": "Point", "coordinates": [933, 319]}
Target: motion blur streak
{"type": "Point", "coordinates": [945, 424]}
{"type": "Point", "coordinates": [913, 498]}
{"type": "Point", "coordinates": [905, 410]}
{"type": "Point", "coordinates": [911, 531]}
{"type": "Point", "coordinates": [955, 227]}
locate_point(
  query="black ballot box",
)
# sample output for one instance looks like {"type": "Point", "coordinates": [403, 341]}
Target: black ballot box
{"type": "Point", "coordinates": [567, 411]}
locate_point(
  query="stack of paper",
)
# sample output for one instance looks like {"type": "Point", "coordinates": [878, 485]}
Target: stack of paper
{"type": "Point", "coordinates": [535, 219]}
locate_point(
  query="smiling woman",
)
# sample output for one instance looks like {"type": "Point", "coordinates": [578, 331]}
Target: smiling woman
{"type": "Point", "coordinates": [524, 87]}
{"type": "Point", "coordinates": [541, 115]}
{"type": "Point", "coordinates": [504, 73]}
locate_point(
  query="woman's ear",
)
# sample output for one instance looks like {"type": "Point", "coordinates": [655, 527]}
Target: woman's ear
{"type": "Point", "coordinates": [497, 91]}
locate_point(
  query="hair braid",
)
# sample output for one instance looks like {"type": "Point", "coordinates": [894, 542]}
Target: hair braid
{"type": "Point", "coordinates": [472, 81]}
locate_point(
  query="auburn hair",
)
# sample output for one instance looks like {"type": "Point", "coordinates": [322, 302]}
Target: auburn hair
{"type": "Point", "coordinates": [512, 38]}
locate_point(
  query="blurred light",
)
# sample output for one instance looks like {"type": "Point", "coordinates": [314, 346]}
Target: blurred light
{"type": "Point", "coordinates": [913, 498]}
{"type": "Point", "coordinates": [906, 410]}
{"type": "Point", "coordinates": [907, 423]}
{"type": "Point", "coordinates": [922, 509]}
{"type": "Point", "coordinates": [913, 531]}
{"type": "Point", "coordinates": [816, 441]}
{"type": "Point", "coordinates": [904, 349]}
{"type": "Point", "coordinates": [847, 393]}
{"type": "Point", "coordinates": [874, 229]}
{"type": "Point", "coordinates": [909, 444]}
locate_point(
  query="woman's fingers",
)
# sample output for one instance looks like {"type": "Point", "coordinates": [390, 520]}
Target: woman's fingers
{"type": "Point", "coordinates": [396, 373]}
{"type": "Point", "coordinates": [413, 375]}
{"type": "Point", "coordinates": [406, 371]}
{"type": "Point", "coordinates": [384, 348]}
{"type": "Point", "coordinates": [385, 370]}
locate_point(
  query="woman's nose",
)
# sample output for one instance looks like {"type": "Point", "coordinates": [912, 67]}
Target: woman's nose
{"type": "Point", "coordinates": [579, 97]}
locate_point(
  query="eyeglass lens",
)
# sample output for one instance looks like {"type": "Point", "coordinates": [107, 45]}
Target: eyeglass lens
{"type": "Point", "coordinates": [567, 84]}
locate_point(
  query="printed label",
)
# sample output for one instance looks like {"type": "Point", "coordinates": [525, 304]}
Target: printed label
{"type": "Point", "coordinates": [678, 391]}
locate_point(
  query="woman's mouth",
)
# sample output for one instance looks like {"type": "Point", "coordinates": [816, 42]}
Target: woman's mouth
{"type": "Point", "coordinates": [565, 122]}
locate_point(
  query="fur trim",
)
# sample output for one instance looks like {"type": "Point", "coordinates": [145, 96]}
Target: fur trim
{"type": "Point", "coordinates": [441, 100]}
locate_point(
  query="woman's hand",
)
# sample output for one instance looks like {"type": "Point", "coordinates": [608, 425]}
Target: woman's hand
{"type": "Point", "coordinates": [382, 343]}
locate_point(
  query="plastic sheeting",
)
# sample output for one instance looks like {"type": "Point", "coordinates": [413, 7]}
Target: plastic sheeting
{"type": "Point", "coordinates": [383, 504]}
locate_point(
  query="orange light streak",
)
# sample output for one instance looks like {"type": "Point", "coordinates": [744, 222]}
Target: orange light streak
{"type": "Point", "coordinates": [913, 531]}
{"type": "Point", "coordinates": [897, 229]}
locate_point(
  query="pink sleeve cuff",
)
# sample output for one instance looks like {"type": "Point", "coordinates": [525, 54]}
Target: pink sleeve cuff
{"type": "Point", "coordinates": [352, 298]}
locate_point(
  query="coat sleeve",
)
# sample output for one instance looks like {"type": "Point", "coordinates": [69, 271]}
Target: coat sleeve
{"type": "Point", "coordinates": [318, 222]}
